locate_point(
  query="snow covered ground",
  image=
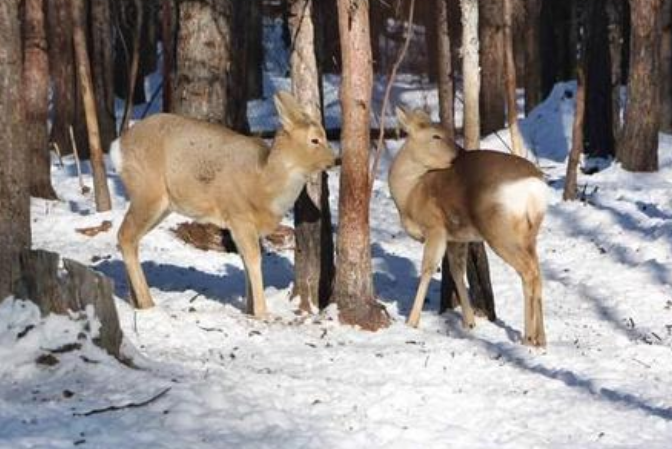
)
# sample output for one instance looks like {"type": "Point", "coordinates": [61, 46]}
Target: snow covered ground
{"type": "Point", "coordinates": [298, 381]}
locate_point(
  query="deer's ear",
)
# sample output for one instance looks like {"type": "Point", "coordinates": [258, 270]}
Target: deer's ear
{"type": "Point", "coordinates": [290, 112]}
{"type": "Point", "coordinates": [404, 119]}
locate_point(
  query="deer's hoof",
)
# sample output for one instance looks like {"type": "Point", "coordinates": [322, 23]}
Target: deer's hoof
{"type": "Point", "coordinates": [536, 341]}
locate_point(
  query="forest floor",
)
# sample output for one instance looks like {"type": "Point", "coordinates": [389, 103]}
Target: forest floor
{"type": "Point", "coordinates": [304, 381]}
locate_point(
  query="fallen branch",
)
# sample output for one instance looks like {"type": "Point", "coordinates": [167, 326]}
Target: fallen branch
{"type": "Point", "coordinates": [386, 97]}
{"type": "Point", "coordinates": [113, 408]}
{"type": "Point", "coordinates": [92, 231]}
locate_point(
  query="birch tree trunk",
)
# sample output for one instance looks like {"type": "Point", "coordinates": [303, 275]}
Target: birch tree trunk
{"type": "Point", "coordinates": [313, 256]}
{"type": "Point", "coordinates": [353, 286]}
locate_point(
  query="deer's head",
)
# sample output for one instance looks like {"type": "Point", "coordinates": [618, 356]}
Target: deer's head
{"type": "Point", "coordinates": [427, 143]}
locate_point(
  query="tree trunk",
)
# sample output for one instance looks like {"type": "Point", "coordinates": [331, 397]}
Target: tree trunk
{"type": "Point", "coordinates": [135, 65]}
{"type": "Point", "coordinates": [353, 287]}
{"type": "Point", "coordinates": [255, 51]}
{"type": "Point", "coordinates": [615, 13]}
{"type": "Point", "coordinates": [102, 193]}
{"type": "Point", "coordinates": [532, 55]}
{"type": "Point", "coordinates": [666, 67]}
{"type": "Point", "coordinates": [491, 35]}
{"type": "Point", "coordinates": [599, 139]}
{"type": "Point", "coordinates": [331, 49]}
{"type": "Point", "coordinates": [236, 103]}
{"type": "Point", "coordinates": [569, 193]}
{"type": "Point", "coordinates": [638, 146]}
{"type": "Point", "coordinates": [444, 78]}
{"type": "Point", "coordinates": [42, 281]}
{"type": "Point", "coordinates": [66, 98]}
{"type": "Point", "coordinates": [477, 264]}
{"type": "Point", "coordinates": [203, 60]}
{"type": "Point", "coordinates": [36, 98]}
{"type": "Point", "coordinates": [517, 145]}
{"type": "Point", "coordinates": [313, 257]}
{"type": "Point", "coordinates": [14, 171]}
{"type": "Point", "coordinates": [103, 70]}
{"type": "Point", "coordinates": [168, 43]}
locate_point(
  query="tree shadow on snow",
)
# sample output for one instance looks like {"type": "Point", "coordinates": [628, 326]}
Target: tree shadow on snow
{"type": "Point", "coordinates": [228, 288]}
{"type": "Point", "coordinates": [517, 356]}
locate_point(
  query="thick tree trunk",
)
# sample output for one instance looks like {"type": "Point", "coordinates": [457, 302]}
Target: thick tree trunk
{"type": "Point", "coordinates": [638, 147]}
{"type": "Point", "coordinates": [103, 70]}
{"type": "Point", "coordinates": [444, 78]}
{"type": "Point", "coordinates": [313, 257]}
{"type": "Point", "coordinates": [14, 171]}
{"type": "Point", "coordinates": [255, 51]}
{"type": "Point", "coordinates": [477, 264]}
{"type": "Point", "coordinates": [666, 67]}
{"type": "Point", "coordinates": [532, 55]}
{"type": "Point", "coordinates": [517, 145]}
{"type": "Point", "coordinates": [491, 35]}
{"type": "Point", "coordinates": [36, 97]}
{"type": "Point", "coordinates": [569, 193]}
{"type": "Point", "coordinates": [598, 121]}
{"type": "Point", "coordinates": [66, 98]}
{"type": "Point", "coordinates": [101, 191]}
{"type": "Point", "coordinates": [353, 287]}
{"type": "Point", "coordinates": [615, 13]}
{"type": "Point", "coordinates": [203, 60]}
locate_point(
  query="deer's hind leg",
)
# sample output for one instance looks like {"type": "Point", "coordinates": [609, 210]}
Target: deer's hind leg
{"type": "Point", "coordinates": [142, 217]}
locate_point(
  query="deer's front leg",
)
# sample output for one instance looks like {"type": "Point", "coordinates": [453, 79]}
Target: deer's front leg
{"type": "Point", "coordinates": [435, 247]}
{"type": "Point", "coordinates": [247, 241]}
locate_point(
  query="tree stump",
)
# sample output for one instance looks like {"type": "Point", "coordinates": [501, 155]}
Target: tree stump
{"type": "Point", "coordinates": [71, 288]}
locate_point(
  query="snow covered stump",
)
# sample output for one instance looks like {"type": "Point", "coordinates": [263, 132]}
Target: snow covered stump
{"type": "Point", "coordinates": [70, 289]}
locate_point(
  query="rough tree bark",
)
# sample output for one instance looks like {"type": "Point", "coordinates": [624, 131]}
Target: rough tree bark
{"type": "Point", "coordinates": [36, 98]}
{"type": "Point", "coordinates": [477, 263]}
{"type": "Point", "coordinates": [491, 35]}
{"type": "Point", "coordinates": [444, 78]}
{"type": "Point", "coordinates": [615, 17]}
{"type": "Point", "coordinates": [666, 67]}
{"type": "Point", "coordinates": [66, 98]}
{"type": "Point", "coordinates": [14, 186]}
{"type": "Point", "coordinates": [638, 146]}
{"type": "Point", "coordinates": [103, 70]}
{"type": "Point", "coordinates": [353, 286]}
{"type": "Point", "coordinates": [203, 60]}
{"type": "Point", "coordinates": [532, 55]}
{"type": "Point", "coordinates": [517, 145]}
{"type": "Point", "coordinates": [101, 191]}
{"type": "Point", "coordinates": [313, 256]}
{"type": "Point", "coordinates": [599, 139]}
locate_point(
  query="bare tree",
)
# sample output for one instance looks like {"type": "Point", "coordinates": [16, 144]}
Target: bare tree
{"type": "Point", "coordinates": [638, 146]}
{"type": "Point", "coordinates": [313, 257]}
{"type": "Point", "coordinates": [491, 36]}
{"type": "Point", "coordinates": [14, 172]}
{"type": "Point", "coordinates": [510, 72]}
{"type": "Point", "coordinates": [666, 67]}
{"type": "Point", "coordinates": [102, 69]}
{"type": "Point", "coordinates": [477, 264]}
{"type": "Point", "coordinates": [569, 193]}
{"type": "Point", "coordinates": [615, 12]}
{"type": "Point", "coordinates": [203, 60]}
{"type": "Point", "coordinates": [36, 97]}
{"type": "Point", "coordinates": [102, 193]}
{"type": "Point", "coordinates": [135, 64]}
{"type": "Point", "coordinates": [532, 54]}
{"type": "Point", "coordinates": [353, 286]}
{"type": "Point", "coordinates": [168, 42]}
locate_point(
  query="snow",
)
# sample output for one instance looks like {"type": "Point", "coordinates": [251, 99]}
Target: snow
{"type": "Point", "coordinates": [297, 380]}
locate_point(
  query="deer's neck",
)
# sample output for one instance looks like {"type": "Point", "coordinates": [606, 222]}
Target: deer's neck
{"type": "Point", "coordinates": [282, 182]}
{"type": "Point", "coordinates": [404, 175]}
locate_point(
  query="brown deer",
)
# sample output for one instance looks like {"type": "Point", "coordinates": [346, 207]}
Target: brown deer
{"type": "Point", "coordinates": [214, 175]}
{"type": "Point", "coordinates": [448, 197]}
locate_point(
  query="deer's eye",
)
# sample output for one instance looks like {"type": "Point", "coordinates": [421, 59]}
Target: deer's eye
{"type": "Point", "coordinates": [436, 136]}
{"type": "Point", "coordinates": [315, 141]}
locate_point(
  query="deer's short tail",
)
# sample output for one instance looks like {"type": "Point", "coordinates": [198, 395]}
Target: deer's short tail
{"type": "Point", "coordinates": [526, 198]}
{"type": "Point", "coordinates": [116, 155]}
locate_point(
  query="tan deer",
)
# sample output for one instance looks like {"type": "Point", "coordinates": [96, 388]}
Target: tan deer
{"type": "Point", "coordinates": [448, 197]}
{"type": "Point", "coordinates": [214, 175]}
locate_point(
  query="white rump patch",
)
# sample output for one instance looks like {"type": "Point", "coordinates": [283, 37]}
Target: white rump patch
{"type": "Point", "coordinates": [525, 197]}
{"type": "Point", "coordinates": [116, 156]}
